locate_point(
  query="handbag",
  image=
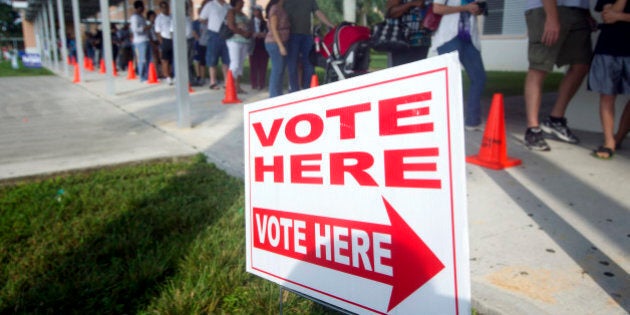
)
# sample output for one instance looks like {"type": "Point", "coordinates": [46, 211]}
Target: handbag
{"type": "Point", "coordinates": [225, 32]}
{"type": "Point", "coordinates": [431, 20]}
{"type": "Point", "coordinates": [389, 35]}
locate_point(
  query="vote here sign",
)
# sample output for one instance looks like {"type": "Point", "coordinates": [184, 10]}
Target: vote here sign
{"type": "Point", "coordinates": [355, 191]}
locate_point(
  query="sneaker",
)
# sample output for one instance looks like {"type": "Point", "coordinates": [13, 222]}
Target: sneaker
{"type": "Point", "coordinates": [534, 140]}
{"type": "Point", "coordinates": [559, 130]}
{"type": "Point", "coordinates": [169, 81]}
{"type": "Point", "coordinates": [474, 128]}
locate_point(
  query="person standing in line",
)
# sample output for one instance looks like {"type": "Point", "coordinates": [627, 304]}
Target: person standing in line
{"type": "Point", "coordinates": [213, 13]}
{"type": "Point", "coordinates": [411, 13]}
{"type": "Point", "coordinates": [610, 72]}
{"type": "Point", "coordinates": [258, 58]}
{"type": "Point", "coordinates": [301, 40]}
{"type": "Point", "coordinates": [140, 30]}
{"type": "Point", "coordinates": [559, 33]}
{"type": "Point", "coordinates": [458, 31]}
{"type": "Point", "coordinates": [163, 29]}
{"type": "Point", "coordinates": [276, 43]}
{"type": "Point", "coordinates": [154, 44]}
{"type": "Point", "coordinates": [200, 31]}
{"type": "Point", "coordinates": [125, 47]}
{"type": "Point", "coordinates": [238, 44]}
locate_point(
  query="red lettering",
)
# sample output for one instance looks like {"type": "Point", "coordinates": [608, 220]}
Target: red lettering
{"type": "Point", "coordinates": [338, 168]}
{"type": "Point", "coordinates": [316, 128]}
{"type": "Point", "coordinates": [389, 115]}
{"type": "Point", "coordinates": [298, 168]}
{"type": "Point", "coordinates": [395, 168]}
{"type": "Point", "coordinates": [273, 133]}
{"type": "Point", "coordinates": [277, 168]}
{"type": "Point", "coordinates": [347, 121]}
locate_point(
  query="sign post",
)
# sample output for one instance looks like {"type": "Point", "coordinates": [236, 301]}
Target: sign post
{"type": "Point", "coordinates": [355, 191]}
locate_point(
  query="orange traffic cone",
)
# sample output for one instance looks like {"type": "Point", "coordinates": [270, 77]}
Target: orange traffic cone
{"type": "Point", "coordinates": [230, 90]}
{"type": "Point", "coordinates": [314, 80]}
{"type": "Point", "coordinates": [90, 63]}
{"type": "Point", "coordinates": [152, 74]}
{"type": "Point", "coordinates": [131, 72]}
{"type": "Point", "coordinates": [77, 75]}
{"type": "Point", "coordinates": [101, 66]}
{"type": "Point", "coordinates": [190, 89]}
{"type": "Point", "coordinates": [114, 68]}
{"type": "Point", "coordinates": [493, 151]}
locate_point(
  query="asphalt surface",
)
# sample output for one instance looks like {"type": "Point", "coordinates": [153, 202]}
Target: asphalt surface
{"type": "Point", "coordinates": [551, 236]}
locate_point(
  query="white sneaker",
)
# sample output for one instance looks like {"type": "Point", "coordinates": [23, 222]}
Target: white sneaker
{"type": "Point", "coordinates": [479, 127]}
{"type": "Point", "coordinates": [169, 81]}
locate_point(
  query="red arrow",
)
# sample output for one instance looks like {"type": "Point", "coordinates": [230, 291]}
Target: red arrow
{"type": "Point", "coordinates": [391, 254]}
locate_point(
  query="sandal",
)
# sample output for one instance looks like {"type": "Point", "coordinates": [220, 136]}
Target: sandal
{"type": "Point", "coordinates": [214, 86]}
{"type": "Point", "coordinates": [603, 153]}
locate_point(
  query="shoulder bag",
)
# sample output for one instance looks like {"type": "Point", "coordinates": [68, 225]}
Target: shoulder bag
{"type": "Point", "coordinates": [431, 20]}
{"type": "Point", "coordinates": [389, 35]}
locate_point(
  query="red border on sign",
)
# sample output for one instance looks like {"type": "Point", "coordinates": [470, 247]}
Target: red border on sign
{"type": "Point", "coordinates": [450, 166]}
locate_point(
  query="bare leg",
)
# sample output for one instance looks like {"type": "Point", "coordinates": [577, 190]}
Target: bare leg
{"type": "Point", "coordinates": [165, 71]}
{"type": "Point", "coordinates": [607, 115]}
{"type": "Point", "coordinates": [225, 69]}
{"type": "Point", "coordinates": [533, 95]}
{"type": "Point", "coordinates": [213, 75]}
{"type": "Point", "coordinates": [624, 125]}
{"type": "Point", "coordinates": [568, 86]}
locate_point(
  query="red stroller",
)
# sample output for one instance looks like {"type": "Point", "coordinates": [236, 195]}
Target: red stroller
{"type": "Point", "coordinates": [344, 52]}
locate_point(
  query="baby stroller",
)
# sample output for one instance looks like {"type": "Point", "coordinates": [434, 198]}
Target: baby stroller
{"type": "Point", "coordinates": [344, 51]}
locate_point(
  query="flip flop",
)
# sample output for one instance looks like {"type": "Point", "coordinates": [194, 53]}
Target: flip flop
{"type": "Point", "coordinates": [214, 86]}
{"type": "Point", "coordinates": [603, 150]}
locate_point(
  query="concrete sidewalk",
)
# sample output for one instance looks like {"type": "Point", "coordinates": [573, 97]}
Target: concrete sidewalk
{"type": "Point", "coordinates": [548, 237]}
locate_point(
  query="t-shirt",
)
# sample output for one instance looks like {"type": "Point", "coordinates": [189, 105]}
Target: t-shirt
{"type": "Point", "coordinates": [449, 26]}
{"type": "Point", "coordinates": [284, 27]}
{"type": "Point", "coordinates": [299, 12]}
{"type": "Point", "coordinates": [163, 25]}
{"type": "Point", "coordinates": [137, 24]}
{"type": "Point", "coordinates": [613, 38]}
{"type": "Point", "coordinates": [214, 12]}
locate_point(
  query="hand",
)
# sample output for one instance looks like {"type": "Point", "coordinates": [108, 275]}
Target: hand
{"type": "Point", "coordinates": [283, 51]}
{"type": "Point", "coordinates": [473, 8]}
{"type": "Point", "coordinates": [551, 31]}
{"type": "Point", "coordinates": [609, 16]}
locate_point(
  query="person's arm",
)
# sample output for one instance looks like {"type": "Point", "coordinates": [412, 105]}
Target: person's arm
{"type": "Point", "coordinates": [322, 17]}
{"type": "Point", "coordinates": [273, 27]}
{"type": "Point", "coordinates": [552, 23]}
{"type": "Point", "coordinates": [395, 10]}
{"type": "Point", "coordinates": [613, 13]}
{"type": "Point", "coordinates": [444, 9]}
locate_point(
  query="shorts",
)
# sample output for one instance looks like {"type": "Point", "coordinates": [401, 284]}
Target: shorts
{"type": "Point", "coordinates": [200, 54]}
{"type": "Point", "coordinates": [609, 75]}
{"type": "Point", "coordinates": [574, 41]}
{"type": "Point", "coordinates": [216, 48]}
{"type": "Point", "coordinates": [166, 50]}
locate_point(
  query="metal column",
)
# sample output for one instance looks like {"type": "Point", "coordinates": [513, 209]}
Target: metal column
{"type": "Point", "coordinates": [107, 45]}
{"type": "Point", "coordinates": [62, 37]}
{"type": "Point", "coordinates": [181, 63]}
{"type": "Point", "coordinates": [53, 34]}
{"type": "Point", "coordinates": [76, 17]}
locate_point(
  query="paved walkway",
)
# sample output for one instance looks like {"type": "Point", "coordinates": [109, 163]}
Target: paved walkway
{"type": "Point", "coordinates": [549, 237]}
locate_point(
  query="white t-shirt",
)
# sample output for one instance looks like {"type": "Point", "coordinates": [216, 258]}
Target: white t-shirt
{"type": "Point", "coordinates": [163, 25]}
{"type": "Point", "coordinates": [533, 4]}
{"type": "Point", "coordinates": [187, 29]}
{"type": "Point", "coordinates": [137, 24]}
{"type": "Point", "coordinates": [448, 28]}
{"type": "Point", "coordinates": [215, 13]}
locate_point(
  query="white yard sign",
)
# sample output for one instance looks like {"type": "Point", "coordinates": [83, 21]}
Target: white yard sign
{"type": "Point", "coordinates": [355, 191]}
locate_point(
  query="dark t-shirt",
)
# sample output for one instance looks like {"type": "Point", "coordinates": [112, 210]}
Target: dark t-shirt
{"type": "Point", "coordinates": [614, 39]}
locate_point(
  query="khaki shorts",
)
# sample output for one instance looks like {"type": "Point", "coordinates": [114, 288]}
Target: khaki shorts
{"type": "Point", "coordinates": [574, 41]}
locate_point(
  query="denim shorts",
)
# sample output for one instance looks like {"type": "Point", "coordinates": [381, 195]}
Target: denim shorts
{"type": "Point", "coordinates": [216, 49]}
{"type": "Point", "coordinates": [609, 75]}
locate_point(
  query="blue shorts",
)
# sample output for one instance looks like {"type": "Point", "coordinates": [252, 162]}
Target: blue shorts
{"type": "Point", "coordinates": [216, 48]}
{"type": "Point", "coordinates": [609, 75]}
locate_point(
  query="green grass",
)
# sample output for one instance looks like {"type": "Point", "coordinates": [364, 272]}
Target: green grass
{"type": "Point", "coordinates": [510, 83]}
{"type": "Point", "coordinates": [154, 238]}
{"type": "Point", "coordinates": [6, 70]}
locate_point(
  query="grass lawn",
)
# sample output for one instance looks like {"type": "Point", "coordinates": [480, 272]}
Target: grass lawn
{"type": "Point", "coordinates": [6, 70]}
{"type": "Point", "coordinates": [162, 238]}
{"type": "Point", "coordinates": [510, 83]}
